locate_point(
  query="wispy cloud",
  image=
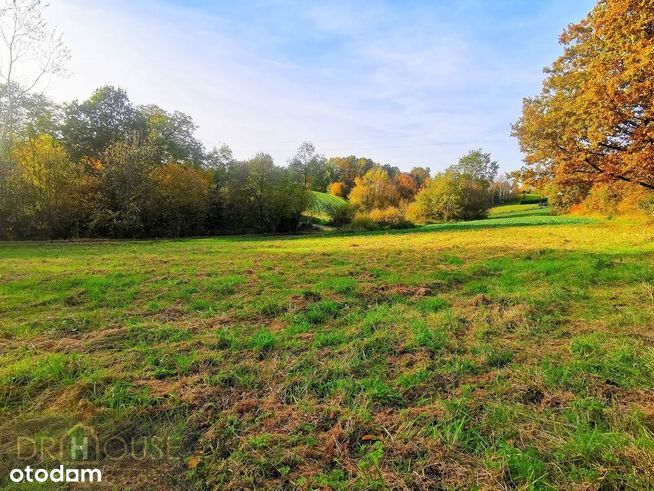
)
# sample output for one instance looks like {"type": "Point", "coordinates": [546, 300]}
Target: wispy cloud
{"type": "Point", "coordinates": [409, 83]}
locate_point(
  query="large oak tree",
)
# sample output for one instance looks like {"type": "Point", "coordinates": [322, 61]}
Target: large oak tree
{"type": "Point", "coordinates": [594, 119]}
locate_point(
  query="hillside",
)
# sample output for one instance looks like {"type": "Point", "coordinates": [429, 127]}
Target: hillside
{"type": "Point", "coordinates": [322, 204]}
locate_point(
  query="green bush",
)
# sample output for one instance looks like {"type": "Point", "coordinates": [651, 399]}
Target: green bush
{"type": "Point", "coordinates": [533, 199]}
{"type": "Point", "coordinates": [451, 196]}
{"type": "Point", "coordinates": [341, 214]}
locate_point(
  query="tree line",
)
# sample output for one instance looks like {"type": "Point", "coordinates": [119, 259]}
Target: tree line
{"type": "Point", "coordinates": [104, 167]}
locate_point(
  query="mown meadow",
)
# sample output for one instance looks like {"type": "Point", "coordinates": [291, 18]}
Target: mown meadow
{"type": "Point", "coordinates": [323, 205]}
{"type": "Point", "coordinates": [513, 352]}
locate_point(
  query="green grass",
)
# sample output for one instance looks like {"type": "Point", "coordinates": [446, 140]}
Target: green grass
{"type": "Point", "coordinates": [512, 219]}
{"type": "Point", "coordinates": [323, 204]}
{"type": "Point", "coordinates": [513, 352]}
{"type": "Point", "coordinates": [517, 210]}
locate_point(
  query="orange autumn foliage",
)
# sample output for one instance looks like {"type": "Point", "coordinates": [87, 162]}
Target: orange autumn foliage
{"type": "Point", "coordinates": [594, 119]}
{"type": "Point", "coordinates": [406, 185]}
{"type": "Point", "coordinates": [337, 189]}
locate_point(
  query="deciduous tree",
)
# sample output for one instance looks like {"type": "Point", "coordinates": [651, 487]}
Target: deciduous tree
{"type": "Point", "coordinates": [374, 190]}
{"type": "Point", "coordinates": [174, 135]}
{"type": "Point", "coordinates": [451, 196]}
{"type": "Point", "coordinates": [180, 199]}
{"type": "Point", "coordinates": [421, 175]}
{"type": "Point", "coordinates": [478, 165]}
{"type": "Point", "coordinates": [594, 118]}
{"type": "Point", "coordinates": [29, 51]}
{"type": "Point", "coordinates": [127, 188]}
{"type": "Point", "coordinates": [259, 196]}
{"type": "Point", "coordinates": [337, 189]}
{"type": "Point", "coordinates": [406, 186]}
{"type": "Point", "coordinates": [347, 169]}
{"type": "Point", "coordinates": [46, 185]}
{"type": "Point", "coordinates": [310, 168]}
{"type": "Point", "coordinates": [105, 118]}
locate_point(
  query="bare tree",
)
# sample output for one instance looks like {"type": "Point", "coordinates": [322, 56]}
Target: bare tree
{"type": "Point", "coordinates": [29, 51]}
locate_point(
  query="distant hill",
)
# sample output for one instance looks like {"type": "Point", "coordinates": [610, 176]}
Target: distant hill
{"type": "Point", "coordinates": [322, 204]}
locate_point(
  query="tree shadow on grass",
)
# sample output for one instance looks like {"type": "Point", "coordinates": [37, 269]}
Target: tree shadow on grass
{"type": "Point", "coordinates": [22, 248]}
{"type": "Point", "coordinates": [498, 222]}
{"type": "Point", "coordinates": [527, 213]}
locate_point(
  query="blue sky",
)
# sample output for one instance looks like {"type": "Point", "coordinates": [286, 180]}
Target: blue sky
{"type": "Point", "coordinates": [407, 83]}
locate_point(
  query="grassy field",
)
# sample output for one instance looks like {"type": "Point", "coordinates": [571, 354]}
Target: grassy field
{"type": "Point", "coordinates": [323, 204]}
{"type": "Point", "coordinates": [514, 352]}
{"type": "Point", "coordinates": [517, 210]}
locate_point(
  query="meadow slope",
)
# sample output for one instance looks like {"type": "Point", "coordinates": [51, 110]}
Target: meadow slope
{"type": "Point", "coordinates": [323, 205]}
{"type": "Point", "coordinates": [487, 355]}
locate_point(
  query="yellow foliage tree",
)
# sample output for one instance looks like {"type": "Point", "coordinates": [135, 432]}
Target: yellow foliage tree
{"type": "Point", "coordinates": [374, 190]}
{"type": "Point", "coordinates": [181, 195]}
{"type": "Point", "coordinates": [48, 189]}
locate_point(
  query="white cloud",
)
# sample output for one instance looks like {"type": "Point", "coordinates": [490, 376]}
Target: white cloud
{"type": "Point", "coordinates": [404, 87]}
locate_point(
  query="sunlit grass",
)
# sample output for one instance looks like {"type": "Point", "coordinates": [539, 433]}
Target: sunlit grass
{"type": "Point", "coordinates": [505, 352]}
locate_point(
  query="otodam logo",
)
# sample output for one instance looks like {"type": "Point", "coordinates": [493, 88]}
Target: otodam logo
{"type": "Point", "coordinates": [58, 474]}
{"type": "Point", "coordinates": [79, 447]}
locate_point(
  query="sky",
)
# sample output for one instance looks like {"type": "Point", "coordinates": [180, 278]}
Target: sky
{"type": "Point", "coordinates": [406, 83]}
